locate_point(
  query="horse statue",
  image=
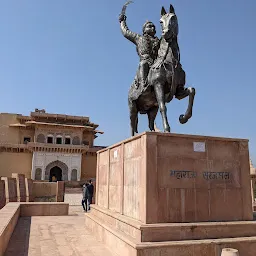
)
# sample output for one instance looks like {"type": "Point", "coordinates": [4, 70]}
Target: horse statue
{"type": "Point", "coordinates": [166, 79]}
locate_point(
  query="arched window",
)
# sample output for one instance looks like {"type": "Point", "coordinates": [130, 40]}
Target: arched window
{"type": "Point", "coordinates": [74, 175]}
{"type": "Point", "coordinates": [38, 175]}
{"type": "Point", "coordinates": [40, 138]}
{"type": "Point", "coordinates": [76, 140]}
{"type": "Point", "coordinates": [67, 140]}
{"type": "Point", "coordinates": [50, 139]}
{"type": "Point", "coordinates": [59, 139]}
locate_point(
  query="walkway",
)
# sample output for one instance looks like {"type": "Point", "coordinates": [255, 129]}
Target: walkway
{"type": "Point", "coordinates": [73, 196]}
{"type": "Point", "coordinates": [55, 236]}
{"type": "Point", "coordinates": [73, 199]}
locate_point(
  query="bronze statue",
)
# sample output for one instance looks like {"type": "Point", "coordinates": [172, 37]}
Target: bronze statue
{"type": "Point", "coordinates": [160, 76]}
{"type": "Point", "coordinates": [147, 46]}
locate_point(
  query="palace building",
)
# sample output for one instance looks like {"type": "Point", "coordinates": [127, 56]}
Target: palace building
{"type": "Point", "coordinates": [46, 146]}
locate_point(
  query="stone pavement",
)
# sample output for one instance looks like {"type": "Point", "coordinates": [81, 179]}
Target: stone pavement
{"type": "Point", "coordinates": [58, 236]}
{"type": "Point", "coordinates": [74, 199]}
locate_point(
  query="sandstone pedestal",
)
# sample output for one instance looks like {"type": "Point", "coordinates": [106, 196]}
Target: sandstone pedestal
{"type": "Point", "coordinates": [175, 194]}
{"type": "Point", "coordinates": [21, 188]}
{"type": "Point", "coordinates": [10, 189]}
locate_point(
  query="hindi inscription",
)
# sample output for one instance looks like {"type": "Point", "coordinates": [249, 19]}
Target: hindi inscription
{"type": "Point", "coordinates": [183, 174]}
{"type": "Point", "coordinates": [206, 175]}
{"type": "Point", "coordinates": [216, 175]}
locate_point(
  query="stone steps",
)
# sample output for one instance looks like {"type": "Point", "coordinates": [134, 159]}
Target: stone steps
{"type": "Point", "coordinates": [173, 231]}
{"type": "Point", "coordinates": [125, 245]}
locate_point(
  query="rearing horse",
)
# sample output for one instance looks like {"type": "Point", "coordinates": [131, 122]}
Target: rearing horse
{"type": "Point", "coordinates": [166, 80]}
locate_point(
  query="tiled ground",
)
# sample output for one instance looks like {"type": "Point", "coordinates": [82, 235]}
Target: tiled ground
{"type": "Point", "coordinates": [63, 235]}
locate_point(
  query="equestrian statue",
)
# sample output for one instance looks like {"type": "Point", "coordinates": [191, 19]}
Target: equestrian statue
{"type": "Point", "coordinates": [160, 76]}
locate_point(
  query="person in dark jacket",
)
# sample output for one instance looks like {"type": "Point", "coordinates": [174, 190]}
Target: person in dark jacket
{"type": "Point", "coordinates": [85, 196]}
{"type": "Point", "coordinates": [90, 193]}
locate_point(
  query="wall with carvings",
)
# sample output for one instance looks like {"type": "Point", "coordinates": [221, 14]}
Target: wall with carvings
{"type": "Point", "coordinates": [56, 131]}
{"type": "Point", "coordinates": [15, 163]}
{"type": "Point", "coordinates": [42, 160]}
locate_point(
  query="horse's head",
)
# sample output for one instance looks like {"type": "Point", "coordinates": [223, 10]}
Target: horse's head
{"type": "Point", "coordinates": [169, 23]}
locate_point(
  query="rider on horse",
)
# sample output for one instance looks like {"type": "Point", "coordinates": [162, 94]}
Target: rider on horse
{"type": "Point", "coordinates": [160, 76]}
{"type": "Point", "coordinates": [147, 47]}
{"type": "Point", "coordinates": [172, 57]}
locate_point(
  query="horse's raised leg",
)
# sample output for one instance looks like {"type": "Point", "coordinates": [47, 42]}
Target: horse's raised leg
{"type": "Point", "coordinates": [190, 91]}
{"type": "Point", "coordinates": [160, 96]}
{"type": "Point", "coordinates": [151, 118]}
{"type": "Point", "coordinates": [133, 117]}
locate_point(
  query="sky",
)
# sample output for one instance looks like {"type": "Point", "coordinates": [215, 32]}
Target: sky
{"type": "Point", "coordinates": [69, 57]}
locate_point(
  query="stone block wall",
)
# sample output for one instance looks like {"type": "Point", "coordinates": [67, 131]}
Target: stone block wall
{"type": "Point", "coordinates": [60, 189]}
{"type": "Point", "coordinates": [21, 189]}
{"type": "Point", "coordinates": [10, 189]}
{"type": "Point", "coordinates": [16, 189]}
{"type": "Point", "coordinates": [48, 191]}
{"type": "Point", "coordinates": [29, 190]}
{"type": "Point", "coordinates": [44, 191]}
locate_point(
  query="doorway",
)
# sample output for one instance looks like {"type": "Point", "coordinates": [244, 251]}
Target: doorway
{"type": "Point", "coordinates": [55, 174]}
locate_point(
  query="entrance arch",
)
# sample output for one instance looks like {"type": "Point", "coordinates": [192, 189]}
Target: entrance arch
{"type": "Point", "coordinates": [60, 165]}
{"type": "Point", "coordinates": [55, 172]}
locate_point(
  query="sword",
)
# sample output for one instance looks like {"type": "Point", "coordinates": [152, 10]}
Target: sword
{"type": "Point", "coordinates": [125, 6]}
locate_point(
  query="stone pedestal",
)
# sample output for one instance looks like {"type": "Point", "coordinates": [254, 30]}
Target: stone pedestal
{"type": "Point", "coordinates": [29, 190]}
{"type": "Point", "coordinates": [2, 194]}
{"type": "Point", "coordinates": [21, 188]}
{"type": "Point", "coordinates": [156, 189]}
{"type": "Point", "coordinates": [159, 178]}
{"type": "Point", "coordinates": [10, 189]}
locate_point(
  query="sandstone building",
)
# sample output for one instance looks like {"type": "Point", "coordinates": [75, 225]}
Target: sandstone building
{"type": "Point", "coordinates": [44, 145]}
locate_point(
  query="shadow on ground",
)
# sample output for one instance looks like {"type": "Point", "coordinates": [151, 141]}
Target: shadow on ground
{"type": "Point", "coordinates": [19, 242]}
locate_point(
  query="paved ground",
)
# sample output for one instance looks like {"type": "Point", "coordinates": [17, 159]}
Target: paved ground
{"type": "Point", "coordinates": [74, 199]}
{"type": "Point", "coordinates": [62, 235]}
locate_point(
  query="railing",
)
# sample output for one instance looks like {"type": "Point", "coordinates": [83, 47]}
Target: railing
{"type": "Point", "coordinates": [57, 147]}
{"type": "Point", "coordinates": [36, 146]}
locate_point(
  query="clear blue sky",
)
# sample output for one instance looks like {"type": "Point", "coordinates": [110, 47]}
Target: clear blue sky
{"type": "Point", "coordinates": [70, 57]}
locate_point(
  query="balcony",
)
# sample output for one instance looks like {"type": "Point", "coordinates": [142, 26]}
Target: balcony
{"type": "Point", "coordinates": [48, 147]}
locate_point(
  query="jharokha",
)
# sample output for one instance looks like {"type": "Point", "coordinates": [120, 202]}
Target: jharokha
{"type": "Point", "coordinates": [46, 146]}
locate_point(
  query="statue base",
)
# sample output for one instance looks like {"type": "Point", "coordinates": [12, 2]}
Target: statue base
{"type": "Point", "coordinates": [173, 193]}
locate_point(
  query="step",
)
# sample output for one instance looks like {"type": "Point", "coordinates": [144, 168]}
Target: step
{"type": "Point", "coordinates": [126, 246]}
{"type": "Point", "coordinates": [174, 231]}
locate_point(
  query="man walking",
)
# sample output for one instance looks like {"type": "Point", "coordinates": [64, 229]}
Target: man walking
{"type": "Point", "coordinates": [85, 196]}
{"type": "Point", "coordinates": [90, 188]}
